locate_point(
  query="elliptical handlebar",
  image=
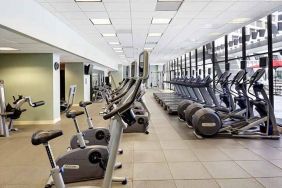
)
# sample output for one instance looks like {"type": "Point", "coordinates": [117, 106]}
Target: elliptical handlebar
{"type": "Point", "coordinates": [126, 104]}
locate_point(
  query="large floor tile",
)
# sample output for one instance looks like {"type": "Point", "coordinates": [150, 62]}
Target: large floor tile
{"type": "Point", "coordinates": [182, 155]}
{"type": "Point", "coordinates": [242, 183]}
{"type": "Point", "coordinates": [268, 153]}
{"type": "Point", "coordinates": [196, 184]}
{"type": "Point", "coordinates": [175, 144]}
{"type": "Point", "coordinates": [225, 169]}
{"type": "Point", "coordinates": [149, 156]}
{"type": "Point", "coordinates": [154, 184]}
{"type": "Point", "coordinates": [151, 171]}
{"type": "Point", "coordinates": [271, 182]}
{"type": "Point", "coordinates": [241, 154]}
{"type": "Point", "coordinates": [125, 157]}
{"type": "Point", "coordinates": [125, 171]}
{"type": "Point", "coordinates": [260, 168]}
{"type": "Point", "coordinates": [277, 163]}
{"type": "Point", "coordinates": [211, 155]}
{"type": "Point", "coordinates": [188, 170]}
{"type": "Point", "coordinates": [149, 145]}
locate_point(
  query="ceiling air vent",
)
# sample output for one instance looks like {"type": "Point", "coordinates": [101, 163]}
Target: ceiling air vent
{"type": "Point", "coordinates": [168, 5]}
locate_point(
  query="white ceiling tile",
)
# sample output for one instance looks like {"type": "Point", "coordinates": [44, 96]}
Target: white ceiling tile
{"type": "Point", "coordinates": [96, 14]}
{"type": "Point", "coordinates": [65, 6]}
{"type": "Point", "coordinates": [105, 29]}
{"type": "Point", "coordinates": [117, 7]}
{"type": "Point", "coordinates": [74, 15]}
{"type": "Point", "coordinates": [91, 6]}
{"type": "Point", "coordinates": [119, 14]}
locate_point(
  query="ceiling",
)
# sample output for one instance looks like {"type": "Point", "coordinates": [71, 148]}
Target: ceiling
{"type": "Point", "coordinates": [25, 44]}
{"type": "Point", "coordinates": [196, 22]}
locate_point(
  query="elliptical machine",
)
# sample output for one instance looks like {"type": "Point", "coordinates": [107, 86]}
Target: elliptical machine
{"type": "Point", "coordinates": [207, 122]}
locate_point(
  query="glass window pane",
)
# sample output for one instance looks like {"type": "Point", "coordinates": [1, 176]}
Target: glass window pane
{"type": "Point", "coordinates": [219, 49]}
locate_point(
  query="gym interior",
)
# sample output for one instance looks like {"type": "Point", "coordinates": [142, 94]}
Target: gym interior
{"type": "Point", "coordinates": [140, 93]}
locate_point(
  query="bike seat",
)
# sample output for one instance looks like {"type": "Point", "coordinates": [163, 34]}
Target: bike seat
{"type": "Point", "coordinates": [42, 137]}
{"type": "Point", "coordinates": [73, 113]}
{"type": "Point", "coordinates": [84, 103]}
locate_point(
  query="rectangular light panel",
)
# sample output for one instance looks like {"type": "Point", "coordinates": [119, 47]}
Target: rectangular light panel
{"type": "Point", "coordinates": [109, 34]}
{"type": "Point", "coordinates": [8, 49]}
{"type": "Point", "coordinates": [88, 0]}
{"type": "Point", "coordinates": [98, 21]}
{"type": "Point", "coordinates": [114, 43]}
{"type": "Point", "coordinates": [154, 34]}
{"type": "Point", "coordinates": [161, 20]}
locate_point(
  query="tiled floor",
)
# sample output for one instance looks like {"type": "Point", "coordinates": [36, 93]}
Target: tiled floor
{"type": "Point", "coordinates": [169, 157]}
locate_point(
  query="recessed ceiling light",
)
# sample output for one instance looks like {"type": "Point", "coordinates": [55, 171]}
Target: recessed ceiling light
{"type": "Point", "coordinates": [114, 43]}
{"type": "Point", "coordinates": [161, 20]}
{"type": "Point", "coordinates": [168, 5]}
{"type": "Point", "coordinates": [215, 33]}
{"type": "Point", "coordinates": [154, 34]}
{"type": "Point", "coordinates": [147, 48]}
{"type": "Point", "coordinates": [8, 49]}
{"type": "Point", "coordinates": [119, 51]}
{"type": "Point", "coordinates": [117, 48]}
{"type": "Point", "coordinates": [239, 20]}
{"type": "Point", "coordinates": [109, 34]}
{"type": "Point", "coordinates": [98, 21]}
{"type": "Point", "coordinates": [88, 0]}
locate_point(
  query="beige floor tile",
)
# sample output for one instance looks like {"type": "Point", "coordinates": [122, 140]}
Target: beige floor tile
{"type": "Point", "coordinates": [211, 155]}
{"type": "Point", "coordinates": [168, 135]}
{"type": "Point", "coordinates": [154, 184]}
{"type": "Point", "coordinates": [140, 137]}
{"type": "Point", "coordinates": [241, 154]}
{"type": "Point", "coordinates": [260, 168]}
{"type": "Point", "coordinates": [253, 143]}
{"type": "Point", "coordinates": [126, 157]}
{"type": "Point", "coordinates": [188, 170]}
{"type": "Point", "coordinates": [271, 182]}
{"type": "Point", "coordinates": [199, 144]}
{"type": "Point", "coordinates": [175, 144]}
{"type": "Point", "coordinates": [196, 184]}
{"type": "Point", "coordinates": [89, 184]}
{"type": "Point", "coordinates": [225, 169]}
{"type": "Point", "coordinates": [180, 155]}
{"type": "Point", "coordinates": [21, 186]}
{"type": "Point", "coordinates": [149, 156]}
{"type": "Point", "coordinates": [242, 183]}
{"type": "Point", "coordinates": [151, 171]}
{"type": "Point", "coordinates": [277, 163]}
{"type": "Point", "coordinates": [127, 145]}
{"type": "Point", "coordinates": [125, 171]}
{"type": "Point", "coordinates": [149, 145]}
{"type": "Point", "coordinates": [24, 175]}
{"type": "Point", "coordinates": [268, 153]}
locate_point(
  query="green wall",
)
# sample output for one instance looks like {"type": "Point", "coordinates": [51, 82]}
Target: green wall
{"type": "Point", "coordinates": [29, 75]}
{"type": "Point", "coordinates": [74, 75]}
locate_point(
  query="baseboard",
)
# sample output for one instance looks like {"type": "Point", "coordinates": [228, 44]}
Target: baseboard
{"type": "Point", "coordinates": [40, 122]}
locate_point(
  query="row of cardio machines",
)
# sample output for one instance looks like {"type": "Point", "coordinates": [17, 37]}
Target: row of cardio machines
{"type": "Point", "coordinates": [87, 162]}
{"type": "Point", "coordinates": [242, 110]}
{"type": "Point", "coordinates": [185, 88]}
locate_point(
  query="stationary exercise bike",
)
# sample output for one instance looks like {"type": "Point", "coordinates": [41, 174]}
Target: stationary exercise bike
{"type": "Point", "coordinates": [94, 156]}
{"type": "Point", "coordinates": [93, 135]}
{"type": "Point", "coordinates": [89, 162]}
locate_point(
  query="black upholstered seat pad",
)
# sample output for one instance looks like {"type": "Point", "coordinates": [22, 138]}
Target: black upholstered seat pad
{"type": "Point", "coordinates": [84, 103]}
{"type": "Point", "coordinates": [41, 136]}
